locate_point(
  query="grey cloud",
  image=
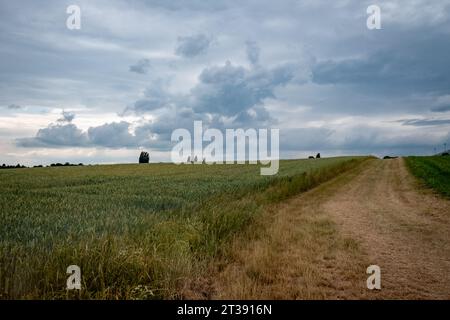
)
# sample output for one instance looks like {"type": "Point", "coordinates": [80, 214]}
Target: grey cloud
{"type": "Point", "coordinates": [158, 132]}
{"type": "Point", "coordinates": [58, 136]}
{"type": "Point", "coordinates": [109, 135]}
{"type": "Point", "coordinates": [66, 117]}
{"type": "Point", "coordinates": [141, 67]}
{"type": "Point", "coordinates": [112, 135]}
{"type": "Point", "coordinates": [376, 138]}
{"type": "Point", "coordinates": [394, 70]}
{"type": "Point", "coordinates": [156, 96]}
{"type": "Point", "coordinates": [305, 138]}
{"type": "Point", "coordinates": [14, 107]}
{"type": "Point", "coordinates": [253, 52]}
{"type": "Point", "coordinates": [348, 71]}
{"type": "Point", "coordinates": [148, 104]}
{"type": "Point", "coordinates": [255, 117]}
{"type": "Point", "coordinates": [425, 122]}
{"type": "Point", "coordinates": [192, 46]}
{"type": "Point", "coordinates": [194, 5]}
{"type": "Point", "coordinates": [441, 108]}
{"type": "Point", "coordinates": [363, 139]}
{"type": "Point", "coordinates": [229, 89]}
{"type": "Point", "coordinates": [218, 82]}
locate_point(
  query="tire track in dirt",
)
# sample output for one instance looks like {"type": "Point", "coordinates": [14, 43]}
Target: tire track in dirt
{"type": "Point", "coordinates": [404, 230]}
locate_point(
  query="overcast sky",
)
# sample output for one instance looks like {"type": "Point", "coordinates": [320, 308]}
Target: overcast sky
{"type": "Point", "coordinates": [137, 70]}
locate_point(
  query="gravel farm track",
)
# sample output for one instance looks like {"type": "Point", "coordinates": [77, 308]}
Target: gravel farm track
{"type": "Point", "coordinates": [319, 244]}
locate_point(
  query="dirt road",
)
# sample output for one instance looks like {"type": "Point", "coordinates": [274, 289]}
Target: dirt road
{"type": "Point", "coordinates": [319, 244]}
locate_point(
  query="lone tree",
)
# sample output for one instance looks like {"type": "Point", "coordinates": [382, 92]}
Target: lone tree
{"type": "Point", "coordinates": [144, 157]}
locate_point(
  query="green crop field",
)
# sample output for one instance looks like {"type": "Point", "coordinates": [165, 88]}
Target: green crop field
{"type": "Point", "coordinates": [434, 172]}
{"type": "Point", "coordinates": [136, 231]}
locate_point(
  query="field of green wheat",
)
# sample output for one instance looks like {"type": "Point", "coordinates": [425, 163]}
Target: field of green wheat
{"type": "Point", "coordinates": [434, 172]}
{"type": "Point", "coordinates": [136, 231]}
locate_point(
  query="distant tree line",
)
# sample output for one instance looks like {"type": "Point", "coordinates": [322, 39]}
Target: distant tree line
{"type": "Point", "coordinates": [67, 164]}
{"type": "Point", "coordinates": [18, 166]}
{"type": "Point", "coordinates": [4, 166]}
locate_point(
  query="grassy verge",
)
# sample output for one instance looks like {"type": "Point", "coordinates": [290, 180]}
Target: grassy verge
{"type": "Point", "coordinates": [434, 172]}
{"type": "Point", "coordinates": [137, 232]}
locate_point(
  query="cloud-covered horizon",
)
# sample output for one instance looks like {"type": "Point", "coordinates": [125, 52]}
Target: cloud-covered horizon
{"type": "Point", "coordinates": [137, 70]}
